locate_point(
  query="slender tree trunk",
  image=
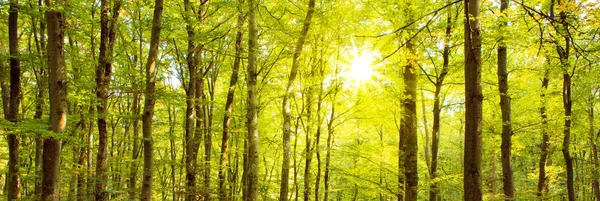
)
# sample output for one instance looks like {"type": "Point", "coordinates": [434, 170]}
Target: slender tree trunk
{"type": "Point", "coordinates": [593, 140]}
{"type": "Point", "coordinates": [251, 189]}
{"type": "Point", "coordinates": [42, 81]}
{"type": "Point", "coordinates": [146, 194]}
{"type": "Point", "coordinates": [14, 102]}
{"type": "Point", "coordinates": [229, 103]}
{"type": "Point", "coordinates": [409, 127]}
{"type": "Point", "coordinates": [190, 154]}
{"type": "Point", "coordinates": [545, 139]}
{"type": "Point", "coordinates": [507, 173]}
{"type": "Point", "coordinates": [287, 114]}
{"type": "Point", "coordinates": [473, 100]}
{"type": "Point", "coordinates": [437, 109]}
{"type": "Point", "coordinates": [103, 78]}
{"type": "Point", "coordinates": [330, 132]}
{"type": "Point", "coordinates": [136, 146]}
{"type": "Point", "coordinates": [308, 149]}
{"type": "Point", "coordinates": [563, 53]}
{"type": "Point", "coordinates": [58, 105]}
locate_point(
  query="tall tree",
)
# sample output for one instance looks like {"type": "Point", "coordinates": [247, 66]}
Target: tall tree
{"type": "Point", "coordinates": [563, 54]}
{"type": "Point", "coordinates": [12, 181]}
{"type": "Point", "coordinates": [408, 130]}
{"type": "Point", "coordinates": [473, 100]}
{"type": "Point", "coordinates": [58, 103]}
{"type": "Point", "coordinates": [229, 102]}
{"type": "Point", "coordinates": [108, 25]}
{"type": "Point", "coordinates": [146, 194]}
{"type": "Point", "coordinates": [190, 143]}
{"type": "Point", "coordinates": [287, 114]}
{"type": "Point", "coordinates": [542, 180]}
{"type": "Point", "coordinates": [251, 169]}
{"type": "Point", "coordinates": [434, 194]}
{"type": "Point", "coordinates": [507, 172]}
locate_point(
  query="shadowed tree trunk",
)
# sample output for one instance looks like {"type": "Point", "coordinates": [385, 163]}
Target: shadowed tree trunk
{"type": "Point", "coordinates": [103, 77]}
{"type": "Point", "coordinates": [229, 103]}
{"type": "Point", "coordinates": [146, 194]}
{"type": "Point", "coordinates": [507, 173]}
{"type": "Point", "coordinates": [408, 127]}
{"type": "Point", "coordinates": [58, 105]}
{"type": "Point", "coordinates": [437, 109]}
{"type": "Point", "coordinates": [287, 114]}
{"type": "Point", "coordinates": [563, 53]}
{"type": "Point", "coordinates": [191, 147]}
{"type": "Point", "coordinates": [251, 169]}
{"type": "Point", "coordinates": [473, 100]}
{"type": "Point", "coordinates": [545, 138]}
{"type": "Point", "coordinates": [12, 182]}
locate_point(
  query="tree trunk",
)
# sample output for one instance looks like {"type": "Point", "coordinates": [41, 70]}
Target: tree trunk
{"type": "Point", "coordinates": [149, 102]}
{"type": "Point", "coordinates": [287, 114]}
{"type": "Point", "coordinates": [14, 102]}
{"type": "Point", "coordinates": [593, 139]}
{"type": "Point", "coordinates": [190, 153]}
{"type": "Point", "coordinates": [545, 138]}
{"type": "Point", "coordinates": [409, 127]}
{"type": "Point", "coordinates": [58, 105]}
{"type": "Point", "coordinates": [229, 103]}
{"type": "Point", "coordinates": [251, 189]}
{"type": "Point", "coordinates": [437, 109]}
{"type": "Point", "coordinates": [507, 173]}
{"type": "Point", "coordinates": [307, 149]}
{"type": "Point", "coordinates": [103, 78]}
{"type": "Point", "coordinates": [473, 100]}
{"type": "Point", "coordinates": [41, 81]}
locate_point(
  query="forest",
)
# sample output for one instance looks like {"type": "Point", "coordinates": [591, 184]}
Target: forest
{"type": "Point", "coordinates": [299, 100]}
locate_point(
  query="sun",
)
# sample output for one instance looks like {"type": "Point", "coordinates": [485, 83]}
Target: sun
{"type": "Point", "coordinates": [361, 68]}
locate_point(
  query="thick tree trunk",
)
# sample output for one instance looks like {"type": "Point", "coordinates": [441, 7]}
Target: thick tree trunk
{"type": "Point", "coordinates": [507, 173]}
{"type": "Point", "coordinates": [473, 100]}
{"type": "Point", "coordinates": [103, 78]}
{"type": "Point", "coordinates": [287, 114]}
{"type": "Point", "coordinates": [146, 194]}
{"type": "Point", "coordinates": [545, 139]}
{"type": "Point", "coordinates": [58, 105]}
{"type": "Point", "coordinates": [12, 182]}
{"type": "Point", "coordinates": [251, 170]}
{"type": "Point", "coordinates": [409, 127]}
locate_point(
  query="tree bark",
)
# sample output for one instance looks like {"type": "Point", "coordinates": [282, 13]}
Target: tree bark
{"type": "Point", "coordinates": [58, 105]}
{"type": "Point", "coordinates": [103, 77]}
{"type": "Point", "coordinates": [593, 139]}
{"type": "Point", "coordinates": [251, 187]}
{"type": "Point", "coordinates": [507, 173]}
{"type": "Point", "coordinates": [229, 103]}
{"type": "Point", "coordinates": [14, 101]}
{"type": "Point", "coordinates": [473, 100]}
{"type": "Point", "coordinates": [437, 109]}
{"type": "Point", "coordinates": [545, 139]}
{"type": "Point", "coordinates": [146, 194]}
{"type": "Point", "coordinates": [287, 114]}
{"type": "Point", "coordinates": [409, 127]}
{"type": "Point", "coordinates": [191, 150]}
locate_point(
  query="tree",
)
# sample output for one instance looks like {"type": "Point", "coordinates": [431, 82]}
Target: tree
{"type": "Point", "coordinates": [408, 130]}
{"type": "Point", "coordinates": [229, 102]}
{"type": "Point", "coordinates": [108, 26]}
{"type": "Point", "coordinates": [149, 102]}
{"type": "Point", "coordinates": [473, 100]}
{"type": "Point", "coordinates": [251, 169]}
{"type": "Point", "coordinates": [58, 104]}
{"type": "Point", "coordinates": [507, 132]}
{"type": "Point", "coordinates": [12, 182]}
{"type": "Point", "coordinates": [287, 114]}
